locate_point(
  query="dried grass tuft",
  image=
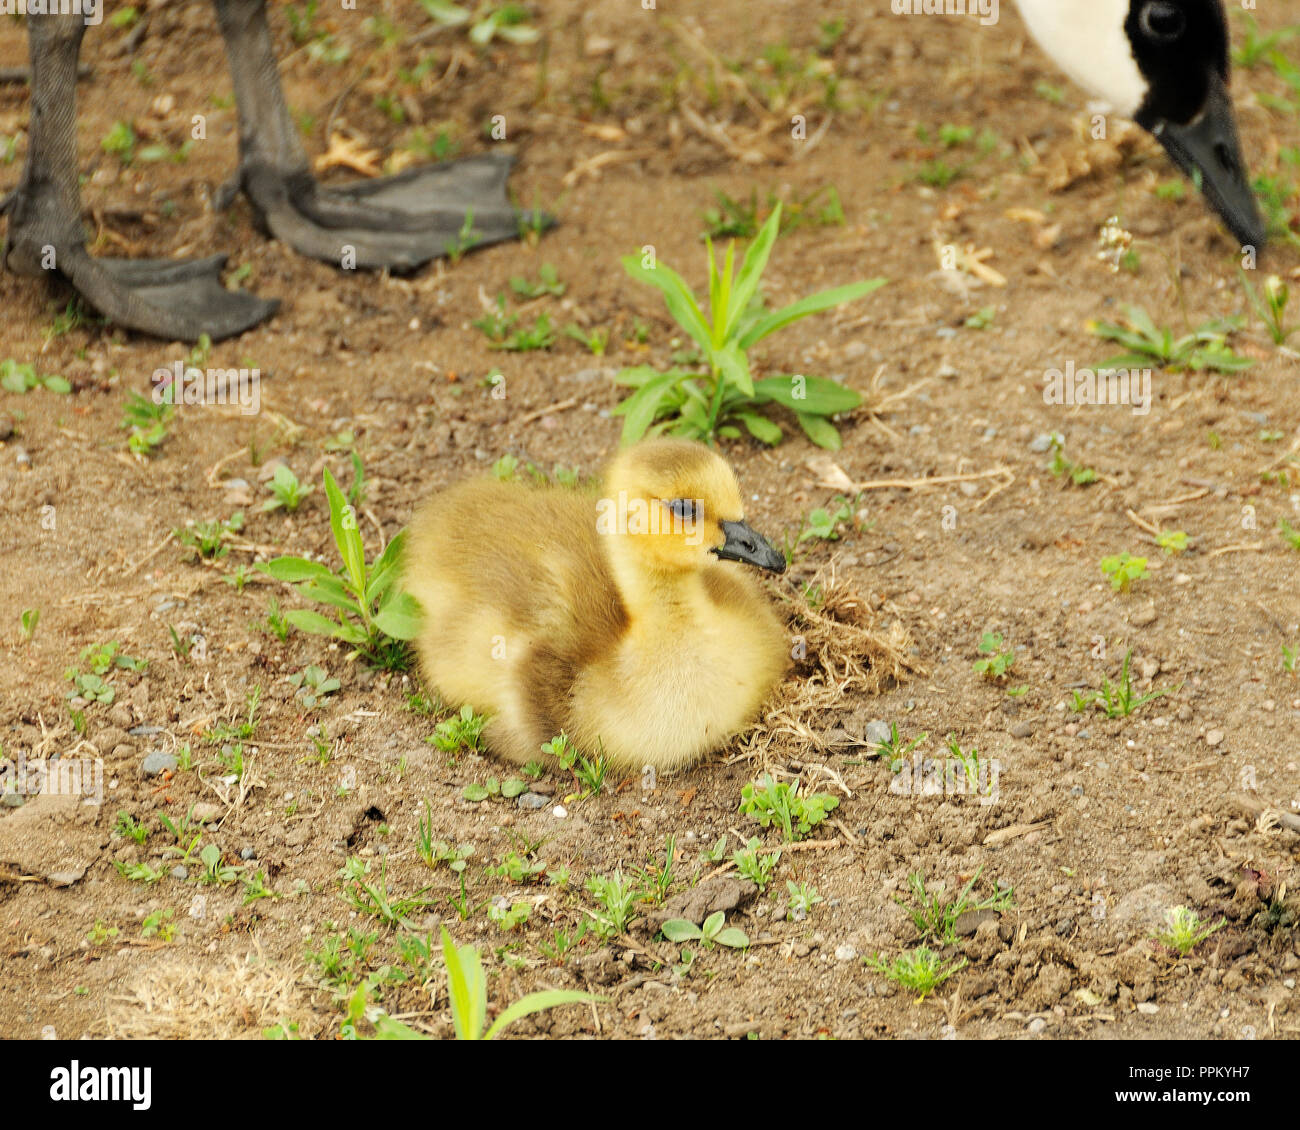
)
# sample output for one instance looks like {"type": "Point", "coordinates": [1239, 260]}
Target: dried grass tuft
{"type": "Point", "coordinates": [843, 652]}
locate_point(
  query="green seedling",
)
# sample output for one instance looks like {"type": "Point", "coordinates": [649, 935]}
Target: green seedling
{"type": "Point", "coordinates": [138, 872]}
{"type": "Point", "coordinates": [824, 522]}
{"type": "Point", "coordinates": [105, 657]}
{"type": "Point", "coordinates": [617, 897]}
{"type": "Point", "coordinates": [1254, 46]}
{"type": "Point", "coordinates": [287, 492]}
{"type": "Point", "coordinates": [159, 925]}
{"type": "Point", "coordinates": [710, 404]}
{"type": "Point", "coordinates": [982, 319]}
{"type": "Point", "coordinates": [1123, 569]}
{"type": "Point", "coordinates": [237, 731]}
{"type": "Point", "coordinates": [314, 684]}
{"type": "Point", "coordinates": [710, 934]}
{"type": "Point", "coordinates": [255, 888]}
{"type": "Point", "coordinates": [800, 899]}
{"type": "Point", "coordinates": [1289, 534]}
{"type": "Point", "coordinates": [1204, 349]}
{"type": "Point", "coordinates": [371, 897]}
{"type": "Point", "coordinates": [920, 972]}
{"type": "Point", "coordinates": [101, 934]}
{"type": "Point", "coordinates": [371, 613]}
{"type": "Point", "coordinates": [596, 341]}
{"type": "Point", "coordinates": [934, 917]}
{"type": "Point", "coordinates": [467, 991]}
{"type": "Point", "coordinates": [548, 282]}
{"type": "Point", "coordinates": [15, 377]}
{"type": "Point", "coordinates": [1290, 658]}
{"type": "Point", "coordinates": [1171, 542]}
{"type": "Point", "coordinates": [130, 828]}
{"type": "Point", "coordinates": [715, 854]}
{"type": "Point", "coordinates": [509, 789]}
{"type": "Point", "coordinates": [27, 622]}
{"type": "Point", "coordinates": [490, 21]}
{"type": "Point", "coordinates": [1184, 930]}
{"type": "Point", "coordinates": [239, 576]}
{"type": "Point", "coordinates": [588, 772]}
{"type": "Point", "coordinates": [657, 880]}
{"type": "Point", "coordinates": [970, 763]}
{"type": "Point", "coordinates": [90, 687]}
{"type": "Point", "coordinates": [509, 916]}
{"type": "Point", "coordinates": [461, 731]}
{"type": "Point", "coordinates": [216, 872]}
{"type": "Point", "coordinates": [755, 864]}
{"type": "Point", "coordinates": [562, 942]}
{"type": "Point", "coordinates": [892, 748]}
{"type": "Point", "coordinates": [1117, 700]}
{"type": "Point", "coordinates": [1063, 468]}
{"type": "Point", "coordinates": [519, 869]}
{"type": "Point", "coordinates": [776, 803]}
{"type": "Point", "coordinates": [1271, 306]}
{"type": "Point", "coordinates": [275, 623]}
{"type": "Point", "coordinates": [207, 540]}
{"type": "Point", "coordinates": [998, 659]}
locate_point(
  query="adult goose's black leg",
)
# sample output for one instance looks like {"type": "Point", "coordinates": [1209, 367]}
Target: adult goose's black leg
{"type": "Point", "coordinates": [398, 222]}
{"type": "Point", "coordinates": [169, 298]}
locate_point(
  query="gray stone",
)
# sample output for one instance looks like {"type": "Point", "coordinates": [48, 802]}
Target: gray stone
{"type": "Point", "coordinates": [12, 800]}
{"type": "Point", "coordinates": [532, 800]}
{"type": "Point", "coordinates": [877, 733]}
{"type": "Point", "coordinates": [248, 853]}
{"type": "Point", "coordinates": [179, 872]}
{"type": "Point", "coordinates": [158, 762]}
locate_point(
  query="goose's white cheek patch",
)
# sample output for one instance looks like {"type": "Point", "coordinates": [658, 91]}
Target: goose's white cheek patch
{"type": "Point", "coordinates": [1086, 39]}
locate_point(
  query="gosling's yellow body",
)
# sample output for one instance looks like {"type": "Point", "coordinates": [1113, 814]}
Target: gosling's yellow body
{"type": "Point", "coordinates": [594, 613]}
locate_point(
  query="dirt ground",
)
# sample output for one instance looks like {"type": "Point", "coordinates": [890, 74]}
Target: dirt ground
{"type": "Point", "coordinates": [627, 122]}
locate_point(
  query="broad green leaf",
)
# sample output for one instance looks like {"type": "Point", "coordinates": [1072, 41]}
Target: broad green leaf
{"type": "Point", "coordinates": [813, 304]}
{"type": "Point", "coordinates": [713, 923]}
{"type": "Point", "coordinates": [308, 621]}
{"type": "Point", "coordinates": [813, 395]}
{"type": "Point", "coordinates": [295, 569]}
{"type": "Point", "coordinates": [386, 1028]}
{"type": "Point", "coordinates": [679, 297]}
{"type": "Point", "coordinates": [475, 792]}
{"type": "Point", "coordinates": [537, 1002]}
{"type": "Point", "coordinates": [760, 427]}
{"type": "Point", "coordinates": [734, 366]}
{"type": "Point", "coordinates": [751, 271]}
{"type": "Point", "coordinates": [58, 384]}
{"type": "Point", "coordinates": [400, 617]}
{"type": "Point", "coordinates": [639, 409]}
{"type": "Point", "coordinates": [384, 571]}
{"type": "Point", "coordinates": [736, 939]}
{"type": "Point", "coordinates": [679, 930]}
{"type": "Point", "coordinates": [343, 521]}
{"type": "Point", "coordinates": [820, 430]}
{"type": "Point", "coordinates": [330, 591]}
{"type": "Point", "coordinates": [466, 987]}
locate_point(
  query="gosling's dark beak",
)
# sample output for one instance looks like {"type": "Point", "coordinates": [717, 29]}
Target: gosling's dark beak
{"type": "Point", "coordinates": [1208, 151]}
{"type": "Point", "coordinates": [744, 543]}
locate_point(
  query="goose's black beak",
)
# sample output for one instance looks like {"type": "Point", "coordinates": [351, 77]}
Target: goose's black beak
{"type": "Point", "coordinates": [744, 543]}
{"type": "Point", "coordinates": [1207, 150]}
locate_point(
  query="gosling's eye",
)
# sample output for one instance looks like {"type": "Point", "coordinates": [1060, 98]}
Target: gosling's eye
{"type": "Point", "coordinates": [684, 508]}
{"type": "Point", "coordinates": [1163, 22]}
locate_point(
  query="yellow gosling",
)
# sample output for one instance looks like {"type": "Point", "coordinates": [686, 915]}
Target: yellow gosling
{"type": "Point", "coordinates": [618, 616]}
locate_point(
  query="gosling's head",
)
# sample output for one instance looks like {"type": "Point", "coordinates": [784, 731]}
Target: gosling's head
{"type": "Point", "coordinates": [674, 503]}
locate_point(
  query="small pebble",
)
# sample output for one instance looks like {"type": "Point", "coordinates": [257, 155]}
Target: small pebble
{"type": "Point", "coordinates": [179, 872]}
{"type": "Point", "coordinates": [559, 812]}
{"type": "Point", "coordinates": [1146, 1008]}
{"type": "Point", "coordinates": [1213, 738]}
{"type": "Point", "coordinates": [12, 800]}
{"type": "Point", "coordinates": [158, 762]}
{"type": "Point", "coordinates": [876, 733]}
{"type": "Point", "coordinates": [248, 853]}
{"type": "Point", "coordinates": [531, 800]}
{"type": "Point", "coordinates": [845, 953]}
{"type": "Point", "coordinates": [1038, 1024]}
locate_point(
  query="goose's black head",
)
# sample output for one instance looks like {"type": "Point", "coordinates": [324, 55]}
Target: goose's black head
{"type": "Point", "coordinates": [1181, 48]}
{"type": "Point", "coordinates": [1163, 63]}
